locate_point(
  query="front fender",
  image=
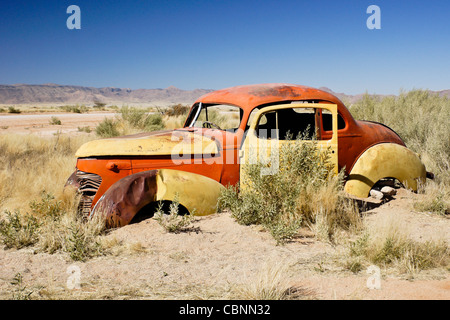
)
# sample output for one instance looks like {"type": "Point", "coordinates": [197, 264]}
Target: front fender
{"type": "Point", "coordinates": [385, 160]}
{"type": "Point", "coordinates": [123, 200]}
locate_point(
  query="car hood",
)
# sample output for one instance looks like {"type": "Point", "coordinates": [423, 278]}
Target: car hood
{"type": "Point", "coordinates": [161, 143]}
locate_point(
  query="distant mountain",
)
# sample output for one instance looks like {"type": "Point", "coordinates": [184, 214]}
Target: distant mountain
{"type": "Point", "coordinates": [67, 94]}
{"type": "Point", "coordinates": [54, 93]}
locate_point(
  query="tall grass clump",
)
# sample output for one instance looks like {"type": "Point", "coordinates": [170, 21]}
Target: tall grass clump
{"type": "Point", "coordinates": [304, 192]}
{"type": "Point", "coordinates": [421, 118]}
{"type": "Point", "coordinates": [271, 283]}
{"type": "Point", "coordinates": [387, 245]}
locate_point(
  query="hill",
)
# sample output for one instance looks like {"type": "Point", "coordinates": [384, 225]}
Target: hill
{"type": "Point", "coordinates": [67, 94]}
{"type": "Point", "coordinates": [54, 93]}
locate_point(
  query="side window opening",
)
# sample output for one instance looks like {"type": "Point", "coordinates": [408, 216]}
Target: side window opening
{"type": "Point", "coordinates": [289, 122]}
{"type": "Point", "coordinates": [327, 121]}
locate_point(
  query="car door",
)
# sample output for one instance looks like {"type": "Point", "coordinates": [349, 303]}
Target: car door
{"type": "Point", "coordinates": [274, 126]}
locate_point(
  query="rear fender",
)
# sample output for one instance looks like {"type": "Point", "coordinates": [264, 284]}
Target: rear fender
{"type": "Point", "coordinates": [385, 160]}
{"type": "Point", "coordinates": [123, 200]}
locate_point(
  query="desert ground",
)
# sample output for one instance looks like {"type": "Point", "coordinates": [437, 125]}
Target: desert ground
{"type": "Point", "coordinates": [39, 123]}
{"type": "Point", "coordinates": [215, 258]}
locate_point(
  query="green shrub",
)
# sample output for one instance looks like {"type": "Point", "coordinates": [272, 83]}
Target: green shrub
{"type": "Point", "coordinates": [55, 121]}
{"type": "Point", "coordinates": [177, 110]}
{"type": "Point", "coordinates": [172, 221]}
{"type": "Point", "coordinates": [141, 119]}
{"type": "Point", "coordinates": [107, 128]}
{"type": "Point", "coordinates": [80, 243]}
{"type": "Point", "coordinates": [20, 292]}
{"type": "Point", "coordinates": [75, 108]}
{"type": "Point", "coordinates": [86, 129]}
{"type": "Point", "coordinates": [13, 110]}
{"type": "Point", "coordinates": [50, 227]}
{"type": "Point", "coordinates": [18, 231]}
{"type": "Point", "coordinates": [99, 105]}
{"type": "Point", "coordinates": [303, 189]}
{"type": "Point", "coordinates": [48, 206]}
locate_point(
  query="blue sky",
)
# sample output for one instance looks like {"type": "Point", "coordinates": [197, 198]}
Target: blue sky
{"type": "Point", "coordinates": [216, 44]}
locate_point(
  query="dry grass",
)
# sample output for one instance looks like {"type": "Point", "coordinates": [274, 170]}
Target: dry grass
{"type": "Point", "coordinates": [30, 165]}
{"type": "Point", "coordinates": [433, 198]}
{"type": "Point", "coordinates": [387, 244]}
{"type": "Point", "coordinates": [270, 283]}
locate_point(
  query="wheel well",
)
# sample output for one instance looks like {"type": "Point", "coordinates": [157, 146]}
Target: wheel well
{"type": "Point", "coordinates": [149, 210]}
{"type": "Point", "coordinates": [388, 182]}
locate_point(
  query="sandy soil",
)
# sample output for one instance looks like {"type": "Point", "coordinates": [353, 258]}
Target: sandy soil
{"type": "Point", "coordinates": [215, 259]}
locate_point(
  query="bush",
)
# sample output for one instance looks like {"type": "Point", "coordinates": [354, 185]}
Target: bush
{"type": "Point", "coordinates": [99, 105]}
{"type": "Point", "coordinates": [58, 229]}
{"type": "Point", "coordinates": [55, 121]}
{"type": "Point", "coordinates": [75, 109]}
{"type": "Point", "coordinates": [129, 120]}
{"type": "Point", "coordinates": [107, 128]}
{"type": "Point", "coordinates": [177, 110]}
{"type": "Point", "coordinates": [172, 221]}
{"type": "Point", "coordinates": [86, 129]}
{"type": "Point", "coordinates": [304, 192]}
{"type": "Point", "coordinates": [141, 119]}
{"type": "Point", "coordinates": [13, 110]}
{"type": "Point", "coordinates": [48, 206]}
{"type": "Point", "coordinates": [81, 242]}
{"type": "Point", "coordinates": [18, 231]}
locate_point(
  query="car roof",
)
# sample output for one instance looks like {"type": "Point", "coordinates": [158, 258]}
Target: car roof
{"type": "Point", "coordinates": [250, 96]}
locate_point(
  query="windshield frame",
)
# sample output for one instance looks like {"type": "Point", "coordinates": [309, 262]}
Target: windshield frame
{"type": "Point", "coordinates": [196, 110]}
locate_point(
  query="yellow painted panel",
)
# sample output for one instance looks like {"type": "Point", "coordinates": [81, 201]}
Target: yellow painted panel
{"type": "Point", "coordinates": [178, 142]}
{"type": "Point", "coordinates": [386, 160]}
{"type": "Point", "coordinates": [197, 193]}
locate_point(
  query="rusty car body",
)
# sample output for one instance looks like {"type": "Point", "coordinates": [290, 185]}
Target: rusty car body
{"type": "Point", "coordinates": [118, 177]}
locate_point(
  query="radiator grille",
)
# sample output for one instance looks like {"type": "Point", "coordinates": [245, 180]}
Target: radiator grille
{"type": "Point", "coordinates": [89, 184]}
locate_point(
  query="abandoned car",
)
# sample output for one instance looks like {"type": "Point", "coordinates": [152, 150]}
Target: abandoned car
{"type": "Point", "coordinates": [120, 176]}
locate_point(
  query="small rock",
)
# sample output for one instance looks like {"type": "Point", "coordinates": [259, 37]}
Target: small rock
{"type": "Point", "coordinates": [376, 194]}
{"type": "Point", "coordinates": [388, 191]}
